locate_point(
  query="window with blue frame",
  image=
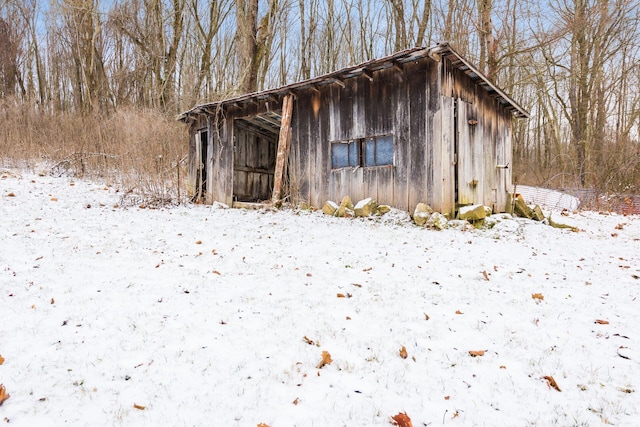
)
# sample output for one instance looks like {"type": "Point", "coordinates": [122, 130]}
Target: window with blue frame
{"type": "Point", "coordinates": [364, 152]}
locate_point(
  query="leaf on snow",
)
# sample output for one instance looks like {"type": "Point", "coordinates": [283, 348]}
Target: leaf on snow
{"type": "Point", "coordinates": [402, 420]}
{"type": "Point", "coordinates": [551, 382]}
{"type": "Point", "coordinates": [476, 353]}
{"type": "Point", "coordinates": [1, 360]}
{"type": "Point", "coordinates": [140, 407]}
{"type": "Point", "coordinates": [403, 352]}
{"type": "Point", "coordinates": [486, 275]}
{"type": "Point", "coordinates": [602, 322]}
{"type": "Point", "coordinates": [263, 425]}
{"type": "Point", "coordinates": [537, 296]}
{"type": "Point", "coordinates": [326, 360]}
{"type": "Point", "coordinates": [459, 312]}
{"type": "Point", "coordinates": [309, 341]}
{"type": "Point", "coordinates": [3, 394]}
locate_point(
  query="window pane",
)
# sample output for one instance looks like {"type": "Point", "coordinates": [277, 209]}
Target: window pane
{"type": "Point", "coordinates": [370, 153]}
{"type": "Point", "coordinates": [339, 155]}
{"type": "Point", "coordinates": [353, 154]}
{"type": "Point", "coordinates": [384, 150]}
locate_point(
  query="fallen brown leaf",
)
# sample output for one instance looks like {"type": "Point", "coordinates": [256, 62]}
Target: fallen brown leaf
{"type": "Point", "coordinates": [402, 420]}
{"type": "Point", "coordinates": [459, 312]}
{"type": "Point", "coordinates": [447, 397]}
{"type": "Point", "coordinates": [426, 316]}
{"type": "Point", "coordinates": [486, 275]}
{"type": "Point", "coordinates": [308, 340]}
{"type": "Point", "coordinates": [537, 296]}
{"type": "Point", "coordinates": [476, 353]}
{"type": "Point", "coordinates": [340, 296]}
{"type": "Point", "coordinates": [326, 360]}
{"type": "Point", "coordinates": [602, 322]}
{"type": "Point", "coordinates": [11, 195]}
{"type": "Point", "coordinates": [403, 352]}
{"type": "Point", "coordinates": [53, 301]}
{"type": "Point", "coordinates": [263, 425]}
{"type": "Point", "coordinates": [3, 394]}
{"type": "Point", "coordinates": [295, 402]}
{"type": "Point", "coordinates": [54, 199]}
{"type": "Point", "coordinates": [551, 382]}
{"type": "Point", "coordinates": [140, 407]}
{"type": "Point", "coordinates": [198, 242]}
{"type": "Point", "coordinates": [1, 360]}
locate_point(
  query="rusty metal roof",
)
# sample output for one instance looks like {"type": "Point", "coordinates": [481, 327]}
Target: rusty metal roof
{"type": "Point", "coordinates": [366, 68]}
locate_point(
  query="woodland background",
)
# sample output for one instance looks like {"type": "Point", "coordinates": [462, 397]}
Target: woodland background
{"type": "Point", "coordinates": [93, 86]}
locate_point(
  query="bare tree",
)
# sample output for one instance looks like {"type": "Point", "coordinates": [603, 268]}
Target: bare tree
{"type": "Point", "coordinates": [254, 41]}
{"type": "Point", "coordinates": [216, 11]}
{"type": "Point", "coordinates": [8, 60]}
{"type": "Point", "coordinates": [156, 29]}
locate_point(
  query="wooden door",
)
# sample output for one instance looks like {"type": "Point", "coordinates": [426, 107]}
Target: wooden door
{"type": "Point", "coordinates": [469, 156]}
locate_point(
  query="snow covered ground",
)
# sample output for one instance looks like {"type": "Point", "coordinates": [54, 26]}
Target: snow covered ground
{"type": "Point", "coordinates": [204, 316]}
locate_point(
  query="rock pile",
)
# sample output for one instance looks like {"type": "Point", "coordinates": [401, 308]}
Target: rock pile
{"type": "Point", "coordinates": [346, 209]}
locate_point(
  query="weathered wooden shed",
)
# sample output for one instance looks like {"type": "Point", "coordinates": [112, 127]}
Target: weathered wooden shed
{"type": "Point", "coordinates": [421, 125]}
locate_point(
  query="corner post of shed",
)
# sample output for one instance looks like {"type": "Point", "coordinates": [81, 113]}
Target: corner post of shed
{"type": "Point", "coordinates": [284, 144]}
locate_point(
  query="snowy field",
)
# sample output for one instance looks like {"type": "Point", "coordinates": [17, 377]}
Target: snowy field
{"type": "Point", "coordinates": [200, 316]}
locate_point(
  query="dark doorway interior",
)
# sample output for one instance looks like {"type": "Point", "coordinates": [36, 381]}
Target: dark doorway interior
{"type": "Point", "coordinates": [255, 148]}
{"type": "Point", "coordinates": [201, 185]}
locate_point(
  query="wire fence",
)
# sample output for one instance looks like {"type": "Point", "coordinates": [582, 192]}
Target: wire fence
{"type": "Point", "coordinates": [549, 199]}
{"type": "Point", "coordinates": [574, 199]}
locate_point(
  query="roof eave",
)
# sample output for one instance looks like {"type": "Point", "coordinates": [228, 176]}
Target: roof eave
{"type": "Point", "coordinates": [516, 109]}
{"type": "Point", "coordinates": [396, 59]}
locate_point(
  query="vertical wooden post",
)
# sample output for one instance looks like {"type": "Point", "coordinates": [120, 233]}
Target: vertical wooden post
{"type": "Point", "coordinates": [284, 144]}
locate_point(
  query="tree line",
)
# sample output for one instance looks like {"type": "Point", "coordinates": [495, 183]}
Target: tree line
{"type": "Point", "coordinates": [574, 64]}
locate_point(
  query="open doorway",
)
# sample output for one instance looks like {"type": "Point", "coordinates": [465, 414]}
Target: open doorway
{"type": "Point", "coordinates": [254, 160]}
{"type": "Point", "coordinates": [202, 143]}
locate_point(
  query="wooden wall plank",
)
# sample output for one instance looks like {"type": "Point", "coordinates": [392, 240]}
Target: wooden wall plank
{"type": "Point", "coordinates": [402, 139]}
{"type": "Point", "coordinates": [417, 160]}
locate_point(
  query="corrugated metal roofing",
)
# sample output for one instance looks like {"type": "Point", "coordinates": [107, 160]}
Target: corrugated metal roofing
{"type": "Point", "coordinates": [397, 59]}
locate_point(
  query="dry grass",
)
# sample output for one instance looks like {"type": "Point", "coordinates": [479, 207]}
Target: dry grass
{"type": "Point", "coordinates": [141, 151]}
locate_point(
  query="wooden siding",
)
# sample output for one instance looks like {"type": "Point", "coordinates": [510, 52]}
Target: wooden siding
{"type": "Point", "coordinates": [393, 103]}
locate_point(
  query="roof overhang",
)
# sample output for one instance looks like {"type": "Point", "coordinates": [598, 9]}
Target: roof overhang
{"type": "Point", "coordinates": [480, 79]}
{"type": "Point", "coordinates": [367, 68]}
